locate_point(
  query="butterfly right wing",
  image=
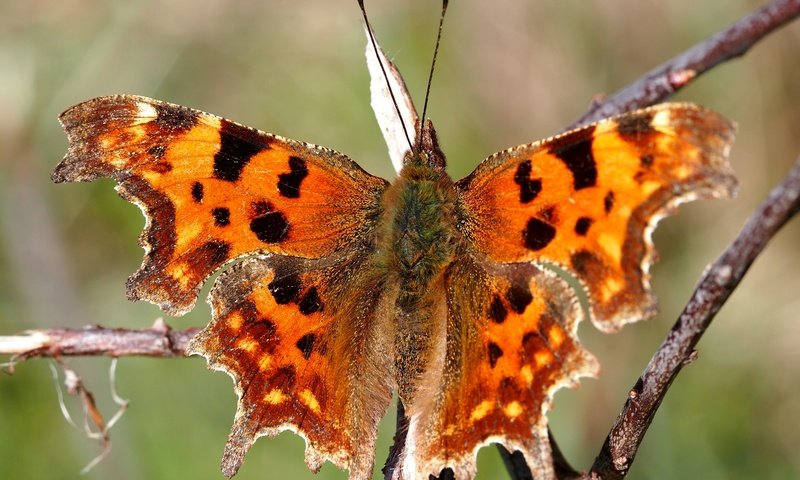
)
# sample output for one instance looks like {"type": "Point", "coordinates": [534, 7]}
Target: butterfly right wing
{"type": "Point", "coordinates": [511, 343]}
{"type": "Point", "coordinates": [305, 342]}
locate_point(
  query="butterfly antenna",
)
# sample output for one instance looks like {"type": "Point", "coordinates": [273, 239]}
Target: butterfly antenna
{"type": "Point", "coordinates": [433, 63]}
{"type": "Point", "coordinates": [385, 76]}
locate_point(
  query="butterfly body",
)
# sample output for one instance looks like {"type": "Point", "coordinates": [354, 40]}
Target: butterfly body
{"type": "Point", "coordinates": [419, 241]}
{"type": "Point", "coordinates": [339, 288]}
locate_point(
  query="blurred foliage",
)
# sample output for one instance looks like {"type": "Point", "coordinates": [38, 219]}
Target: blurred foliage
{"type": "Point", "coordinates": [507, 74]}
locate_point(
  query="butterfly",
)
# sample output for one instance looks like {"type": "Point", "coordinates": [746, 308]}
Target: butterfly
{"type": "Point", "coordinates": [339, 288]}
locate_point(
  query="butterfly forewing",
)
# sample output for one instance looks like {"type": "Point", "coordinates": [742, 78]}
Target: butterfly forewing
{"type": "Point", "coordinates": [214, 190]}
{"type": "Point", "coordinates": [587, 200]}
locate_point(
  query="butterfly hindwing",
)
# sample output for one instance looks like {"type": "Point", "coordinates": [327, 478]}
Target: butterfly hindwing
{"type": "Point", "coordinates": [305, 355]}
{"type": "Point", "coordinates": [512, 341]}
{"type": "Point", "coordinates": [213, 190]}
{"type": "Point", "coordinates": [587, 200]}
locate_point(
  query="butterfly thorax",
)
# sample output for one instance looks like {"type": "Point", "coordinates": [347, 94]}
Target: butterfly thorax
{"type": "Point", "coordinates": [418, 233]}
{"type": "Point", "coordinates": [419, 228]}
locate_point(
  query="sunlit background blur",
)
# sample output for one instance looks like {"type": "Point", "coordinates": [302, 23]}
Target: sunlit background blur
{"type": "Point", "coordinates": [508, 73]}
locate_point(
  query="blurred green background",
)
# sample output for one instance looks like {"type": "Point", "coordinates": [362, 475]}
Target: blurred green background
{"type": "Point", "coordinates": [508, 73]}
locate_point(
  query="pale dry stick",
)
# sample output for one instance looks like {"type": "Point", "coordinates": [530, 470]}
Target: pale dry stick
{"type": "Point", "coordinates": [157, 341]}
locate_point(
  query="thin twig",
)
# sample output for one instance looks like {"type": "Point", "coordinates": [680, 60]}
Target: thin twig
{"type": "Point", "coordinates": [677, 350]}
{"type": "Point", "coordinates": [95, 426]}
{"type": "Point", "coordinates": [156, 341]}
{"type": "Point", "coordinates": [660, 83]}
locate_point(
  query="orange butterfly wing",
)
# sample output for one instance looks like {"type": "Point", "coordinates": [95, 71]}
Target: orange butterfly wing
{"type": "Point", "coordinates": [587, 200]}
{"type": "Point", "coordinates": [213, 190]}
{"type": "Point", "coordinates": [305, 343]}
{"type": "Point", "coordinates": [511, 343]}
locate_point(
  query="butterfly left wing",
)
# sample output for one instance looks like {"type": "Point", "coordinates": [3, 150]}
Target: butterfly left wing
{"type": "Point", "coordinates": [588, 200]}
{"type": "Point", "coordinates": [511, 343]}
{"type": "Point", "coordinates": [213, 190]}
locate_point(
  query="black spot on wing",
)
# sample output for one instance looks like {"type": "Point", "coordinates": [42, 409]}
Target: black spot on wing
{"type": "Point", "coordinates": [519, 297]}
{"type": "Point", "coordinates": [635, 125]}
{"type": "Point", "coordinates": [537, 234]}
{"type": "Point", "coordinates": [575, 150]}
{"type": "Point", "coordinates": [310, 302]}
{"type": "Point", "coordinates": [306, 344]}
{"type": "Point", "coordinates": [531, 342]}
{"type": "Point", "coordinates": [497, 311]}
{"type": "Point", "coordinates": [222, 216]}
{"type": "Point", "coordinates": [197, 192]}
{"type": "Point", "coordinates": [238, 145]}
{"type": "Point", "coordinates": [284, 289]}
{"type": "Point", "coordinates": [289, 183]}
{"type": "Point", "coordinates": [608, 201]}
{"type": "Point", "coordinates": [582, 225]}
{"type": "Point", "coordinates": [646, 161]}
{"type": "Point", "coordinates": [268, 224]}
{"type": "Point", "coordinates": [495, 352]}
{"type": "Point", "coordinates": [528, 188]}
{"type": "Point", "coordinates": [585, 262]}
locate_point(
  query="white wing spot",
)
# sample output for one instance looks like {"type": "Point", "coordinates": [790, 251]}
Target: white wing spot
{"type": "Point", "coordinates": [146, 111]}
{"type": "Point", "coordinates": [662, 117]}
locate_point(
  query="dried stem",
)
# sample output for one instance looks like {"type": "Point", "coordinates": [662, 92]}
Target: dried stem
{"type": "Point", "coordinates": [156, 341]}
{"type": "Point", "coordinates": [660, 83]}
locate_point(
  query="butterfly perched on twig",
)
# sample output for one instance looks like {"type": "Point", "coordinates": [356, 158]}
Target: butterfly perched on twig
{"type": "Point", "coordinates": [340, 288]}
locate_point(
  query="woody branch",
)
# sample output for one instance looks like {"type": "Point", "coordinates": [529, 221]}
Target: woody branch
{"type": "Point", "coordinates": [157, 341]}
{"type": "Point", "coordinates": [677, 349]}
{"type": "Point", "coordinates": [666, 79]}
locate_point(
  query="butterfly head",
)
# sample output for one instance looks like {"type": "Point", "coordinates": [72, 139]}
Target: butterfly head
{"type": "Point", "coordinates": [426, 151]}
